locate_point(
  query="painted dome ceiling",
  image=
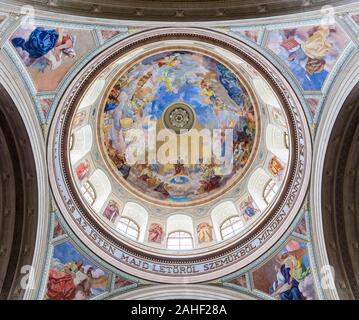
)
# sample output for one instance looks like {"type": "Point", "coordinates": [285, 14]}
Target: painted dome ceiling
{"type": "Point", "coordinates": [164, 127]}
{"type": "Point", "coordinates": [181, 130]}
{"type": "Point", "coordinates": [175, 147]}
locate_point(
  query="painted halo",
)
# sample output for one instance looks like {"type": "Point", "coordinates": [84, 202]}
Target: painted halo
{"type": "Point", "coordinates": [199, 265]}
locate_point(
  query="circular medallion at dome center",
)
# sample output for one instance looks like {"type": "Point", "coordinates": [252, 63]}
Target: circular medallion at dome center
{"type": "Point", "coordinates": [179, 117]}
{"type": "Point", "coordinates": [178, 128]}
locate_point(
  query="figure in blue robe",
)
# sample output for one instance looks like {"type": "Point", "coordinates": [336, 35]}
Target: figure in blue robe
{"type": "Point", "coordinates": [40, 42]}
{"type": "Point", "coordinates": [249, 211]}
{"type": "Point", "coordinates": [283, 277]}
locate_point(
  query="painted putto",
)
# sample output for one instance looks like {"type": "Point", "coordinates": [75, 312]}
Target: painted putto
{"type": "Point", "coordinates": [172, 96]}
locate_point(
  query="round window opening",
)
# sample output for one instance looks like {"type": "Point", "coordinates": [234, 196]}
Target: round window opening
{"type": "Point", "coordinates": [185, 150]}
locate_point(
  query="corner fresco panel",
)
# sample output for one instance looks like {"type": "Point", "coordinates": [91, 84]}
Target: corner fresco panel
{"type": "Point", "coordinates": [49, 53]}
{"type": "Point", "coordinates": [309, 52]}
{"type": "Point", "coordinates": [288, 275]}
{"type": "Point", "coordinates": [74, 277]}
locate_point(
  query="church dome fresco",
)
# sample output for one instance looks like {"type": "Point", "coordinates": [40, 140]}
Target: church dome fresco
{"type": "Point", "coordinates": [179, 152]}
{"type": "Point", "coordinates": [188, 103]}
{"type": "Point", "coordinates": [178, 147]}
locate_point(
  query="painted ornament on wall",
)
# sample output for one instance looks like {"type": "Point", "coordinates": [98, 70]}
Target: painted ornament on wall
{"type": "Point", "coordinates": [276, 168]}
{"type": "Point", "coordinates": [108, 34]}
{"type": "Point", "coordinates": [240, 281]}
{"type": "Point", "coordinates": [287, 276]}
{"type": "Point", "coordinates": [49, 53]}
{"type": "Point", "coordinates": [248, 208]}
{"type": "Point", "coordinates": [302, 227]}
{"type": "Point", "coordinates": [309, 52]}
{"type": "Point", "coordinates": [83, 169]}
{"type": "Point", "coordinates": [155, 233]}
{"type": "Point", "coordinates": [57, 231]}
{"type": "Point", "coordinates": [121, 282]}
{"type": "Point", "coordinates": [312, 104]}
{"type": "Point", "coordinates": [204, 232]}
{"type": "Point", "coordinates": [250, 34]}
{"type": "Point", "coordinates": [74, 277]}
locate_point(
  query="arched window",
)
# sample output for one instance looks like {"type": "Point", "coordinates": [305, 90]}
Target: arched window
{"type": "Point", "coordinates": [81, 143]}
{"type": "Point", "coordinates": [139, 215]}
{"type": "Point", "coordinates": [179, 240]}
{"type": "Point", "coordinates": [231, 227]}
{"type": "Point", "coordinates": [270, 191]}
{"type": "Point", "coordinates": [128, 228]}
{"type": "Point", "coordinates": [88, 192]}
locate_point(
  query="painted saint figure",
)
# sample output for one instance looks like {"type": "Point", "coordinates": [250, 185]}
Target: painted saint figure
{"type": "Point", "coordinates": [204, 232]}
{"type": "Point", "coordinates": [111, 211]}
{"type": "Point", "coordinates": [155, 233]}
{"type": "Point", "coordinates": [83, 170]}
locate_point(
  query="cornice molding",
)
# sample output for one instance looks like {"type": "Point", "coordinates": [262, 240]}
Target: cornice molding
{"type": "Point", "coordinates": [169, 18]}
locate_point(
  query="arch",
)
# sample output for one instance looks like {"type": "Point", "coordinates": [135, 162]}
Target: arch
{"type": "Point", "coordinates": [19, 103]}
{"type": "Point", "coordinates": [340, 189]}
{"type": "Point", "coordinates": [128, 228]}
{"type": "Point", "coordinates": [221, 213]}
{"type": "Point", "coordinates": [139, 215]}
{"type": "Point", "coordinates": [102, 187]}
{"type": "Point", "coordinates": [340, 90]}
{"type": "Point", "coordinates": [18, 198]}
{"type": "Point", "coordinates": [276, 142]}
{"type": "Point", "coordinates": [180, 240]}
{"type": "Point", "coordinates": [82, 143]}
{"type": "Point", "coordinates": [183, 291]}
{"type": "Point", "coordinates": [230, 227]}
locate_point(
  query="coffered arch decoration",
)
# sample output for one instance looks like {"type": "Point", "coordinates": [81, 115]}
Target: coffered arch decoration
{"type": "Point", "coordinates": [208, 259]}
{"type": "Point", "coordinates": [340, 189]}
{"type": "Point", "coordinates": [18, 199]}
{"type": "Point", "coordinates": [179, 10]}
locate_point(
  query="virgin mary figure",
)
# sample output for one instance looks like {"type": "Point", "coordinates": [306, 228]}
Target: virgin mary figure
{"type": "Point", "coordinates": [50, 44]}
